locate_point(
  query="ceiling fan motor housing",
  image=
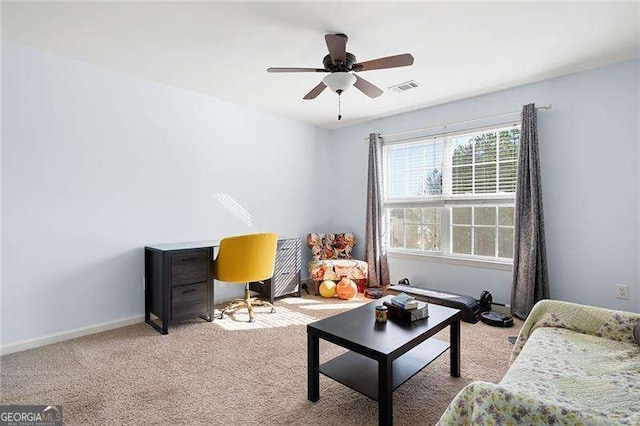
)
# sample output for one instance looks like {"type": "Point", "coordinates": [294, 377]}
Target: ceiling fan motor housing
{"type": "Point", "coordinates": [331, 67]}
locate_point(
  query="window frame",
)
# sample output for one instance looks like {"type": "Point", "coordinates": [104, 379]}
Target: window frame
{"type": "Point", "coordinates": [446, 201]}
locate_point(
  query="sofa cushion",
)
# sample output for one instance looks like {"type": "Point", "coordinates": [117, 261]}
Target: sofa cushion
{"type": "Point", "coordinates": [339, 246]}
{"type": "Point", "coordinates": [328, 247]}
{"type": "Point", "coordinates": [334, 269]}
{"type": "Point", "coordinates": [484, 403]}
{"type": "Point", "coordinates": [601, 322]}
{"type": "Point", "coordinates": [331, 245]}
{"type": "Point", "coordinates": [579, 371]}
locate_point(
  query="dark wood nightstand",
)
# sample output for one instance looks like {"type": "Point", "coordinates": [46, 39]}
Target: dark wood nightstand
{"type": "Point", "coordinates": [178, 283]}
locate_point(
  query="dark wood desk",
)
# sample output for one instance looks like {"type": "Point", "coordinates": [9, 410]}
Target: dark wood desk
{"type": "Point", "coordinates": [382, 355]}
{"type": "Point", "coordinates": [179, 279]}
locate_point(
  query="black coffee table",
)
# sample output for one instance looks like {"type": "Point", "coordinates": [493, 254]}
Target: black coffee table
{"type": "Point", "coordinates": [382, 356]}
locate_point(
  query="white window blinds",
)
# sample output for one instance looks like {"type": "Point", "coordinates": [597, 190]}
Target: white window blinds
{"type": "Point", "coordinates": [458, 166]}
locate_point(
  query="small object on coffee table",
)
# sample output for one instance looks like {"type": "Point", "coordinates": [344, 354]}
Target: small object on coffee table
{"type": "Point", "coordinates": [419, 313]}
{"type": "Point", "coordinates": [404, 301]}
{"type": "Point", "coordinates": [381, 313]}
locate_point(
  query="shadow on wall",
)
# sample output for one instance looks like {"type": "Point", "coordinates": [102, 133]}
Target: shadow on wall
{"type": "Point", "coordinates": [224, 292]}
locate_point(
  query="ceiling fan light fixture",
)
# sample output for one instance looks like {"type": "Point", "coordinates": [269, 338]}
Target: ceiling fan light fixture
{"type": "Point", "coordinates": [339, 81]}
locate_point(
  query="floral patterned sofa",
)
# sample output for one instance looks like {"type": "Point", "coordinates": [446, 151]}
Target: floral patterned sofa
{"type": "Point", "coordinates": [331, 259]}
{"type": "Point", "coordinates": [572, 364]}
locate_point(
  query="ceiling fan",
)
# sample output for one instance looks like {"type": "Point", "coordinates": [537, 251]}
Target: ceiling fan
{"type": "Point", "coordinates": [341, 66]}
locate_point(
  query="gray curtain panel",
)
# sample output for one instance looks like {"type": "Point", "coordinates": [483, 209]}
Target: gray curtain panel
{"type": "Point", "coordinates": [375, 252]}
{"type": "Point", "coordinates": [530, 277]}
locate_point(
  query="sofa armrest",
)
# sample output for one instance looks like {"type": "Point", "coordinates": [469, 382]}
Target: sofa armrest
{"type": "Point", "coordinates": [481, 403]}
{"type": "Point", "coordinates": [601, 322]}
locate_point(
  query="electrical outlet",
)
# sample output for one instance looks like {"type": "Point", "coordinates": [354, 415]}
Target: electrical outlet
{"type": "Point", "coordinates": [622, 291]}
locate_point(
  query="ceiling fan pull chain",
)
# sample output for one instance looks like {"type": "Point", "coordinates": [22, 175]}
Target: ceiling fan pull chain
{"type": "Point", "coordinates": [339, 106]}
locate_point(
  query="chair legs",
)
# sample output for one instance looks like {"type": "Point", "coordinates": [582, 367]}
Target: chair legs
{"type": "Point", "coordinates": [248, 302]}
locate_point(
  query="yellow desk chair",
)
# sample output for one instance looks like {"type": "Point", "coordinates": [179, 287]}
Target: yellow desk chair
{"type": "Point", "coordinates": [244, 259]}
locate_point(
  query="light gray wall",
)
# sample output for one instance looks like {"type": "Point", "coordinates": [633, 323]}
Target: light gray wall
{"type": "Point", "coordinates": [96, 164]}
{"type": "Point", "coordinates": [590, 175]}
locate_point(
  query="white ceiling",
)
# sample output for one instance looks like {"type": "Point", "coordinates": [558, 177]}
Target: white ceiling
{"type": "Point", "coordinates": [223, 49]}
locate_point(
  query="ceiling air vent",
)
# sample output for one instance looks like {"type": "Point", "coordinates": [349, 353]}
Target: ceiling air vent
{"type": "Point", "coordinates": [403, 87]}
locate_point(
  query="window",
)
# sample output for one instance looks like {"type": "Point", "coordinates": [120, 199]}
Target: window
{"type": "Point", "coordinates": [482, 231]}
{"type": "Point", "coordinates": [415, 228]}
{"type": "Point", "coordinates": [454, 194]}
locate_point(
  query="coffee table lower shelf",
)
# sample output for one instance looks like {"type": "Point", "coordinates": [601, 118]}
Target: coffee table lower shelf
{"type": "Point", "coordinates": [361, 373]}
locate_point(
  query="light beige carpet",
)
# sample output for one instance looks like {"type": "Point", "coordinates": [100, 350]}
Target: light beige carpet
{"type": "Point", "coordinates": [210, 373]}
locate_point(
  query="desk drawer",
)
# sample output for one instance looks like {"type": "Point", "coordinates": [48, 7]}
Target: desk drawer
{"type": "Point", "coordinates": [188, 268]}
{"type": "Point", "coordinates": [189, 301]}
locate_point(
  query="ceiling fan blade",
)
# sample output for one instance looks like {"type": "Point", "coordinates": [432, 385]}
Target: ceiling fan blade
{"type": "Point", "coordinates": [381, 63]}
{"type": "Point", "coordinates": [272, 69]}
{"type": "Point", "coordinates": [315, 91]}
{"type": "Point", "coordinates": [337, 45]}
{"type": "Point", "coordinates": [367, 88]}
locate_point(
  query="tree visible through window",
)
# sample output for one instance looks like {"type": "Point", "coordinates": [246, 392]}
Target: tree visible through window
{"type": "Point", "coordinates": [453, 195]}
{"type": "Point", "coordinates": [432, 183]}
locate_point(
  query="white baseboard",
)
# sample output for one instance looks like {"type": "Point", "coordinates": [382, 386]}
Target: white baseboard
{"type": "Point", "coordinates": [23, 345]}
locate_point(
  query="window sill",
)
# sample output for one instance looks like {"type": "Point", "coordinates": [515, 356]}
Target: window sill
{"type": "Point", "coordinates": [453, 260]}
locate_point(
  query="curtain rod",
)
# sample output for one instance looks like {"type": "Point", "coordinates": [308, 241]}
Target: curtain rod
{"type": "Point", "coordinates": [546, 106]}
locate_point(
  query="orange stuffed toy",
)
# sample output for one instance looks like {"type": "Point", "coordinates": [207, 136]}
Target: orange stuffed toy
{"type": "Point", "coordinates": [346, 289]}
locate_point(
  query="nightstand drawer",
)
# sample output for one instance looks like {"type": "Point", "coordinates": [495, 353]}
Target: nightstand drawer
{"type": "Point", "coordinates": [188, 268]}
{"type": "Point", "coordinates": [189, 301]}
